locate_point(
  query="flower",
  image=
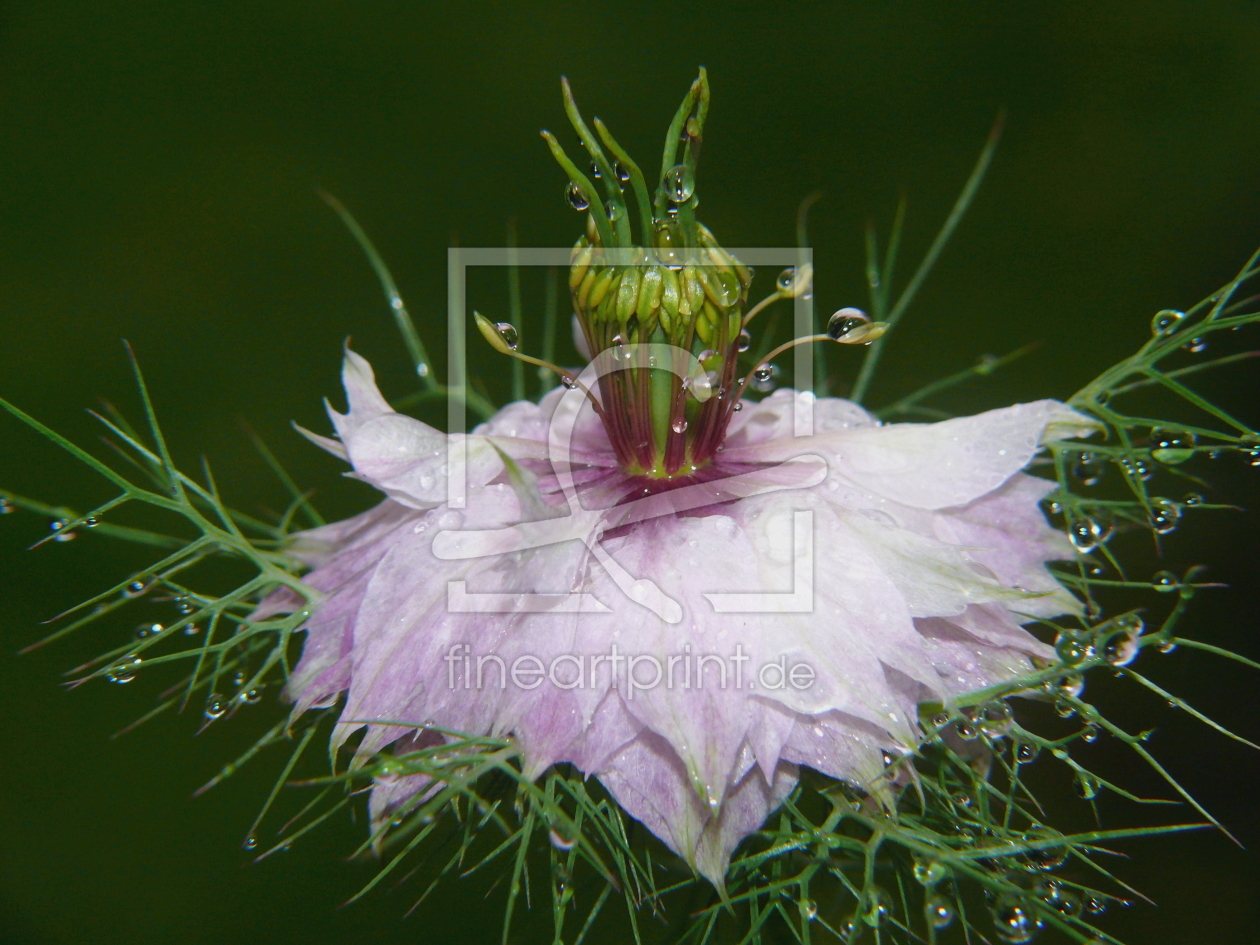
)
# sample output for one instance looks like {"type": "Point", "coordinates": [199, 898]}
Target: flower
{"type": "Point", "coordinates": [928, 552]}
{"type": "Point", "coordinates": [683, 593]}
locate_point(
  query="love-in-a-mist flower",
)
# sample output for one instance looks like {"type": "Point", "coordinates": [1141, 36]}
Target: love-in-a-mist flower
{"type": "Point", "coordinates": [680, 591]}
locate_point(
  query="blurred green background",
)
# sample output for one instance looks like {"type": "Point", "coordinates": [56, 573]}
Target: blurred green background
{"type": "Point", "coordinates": [157, 171]}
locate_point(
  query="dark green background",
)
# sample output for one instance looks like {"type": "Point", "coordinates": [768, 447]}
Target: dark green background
{"type": "Point", "coordinates": [157, 166]}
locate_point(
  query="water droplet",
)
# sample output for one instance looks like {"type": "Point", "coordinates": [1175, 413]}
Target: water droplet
{"type": "Point", "coordinates": [422, 369]}
{"type": "Point", "coordinates": [507, 331]}
{"type": "Point", "coordinates": [615, 210]}
{"type": "Point", "coordinates": [678, 426]}
{"type": "Point", "coordinates": [6, 505]}
{"type": "Point", "coordinates": [929, 872]}
{"type": "Point", "coordinates": [146, 630]}
{"type": "Point", "coordinates": [1196, 345]}
{"type": "Point", "coordinates": [577, 199]}
{"type": "Point", "coordinates": [91, 521]}
{"type": "Point", "coordinates": [1027, 752]}
{"type": "Point", "coordinates": [1166, 321]}
{"type": "Point", "coordinates": [595, 171]}
{"type": "Point", "coordinates": [1063, 901]}
{"type": "Point", "coordinates": [810, 909]}
{"type": "Point", "coordinates": [764, 378]}
{"type": "Point", "coordinates": [216, 706]}
{"type": "Point", "coordinates": [184, 605]}
{"type": "Point", "coordinates": [1087, 786]}
{"type": "Point", "coordinates": [249, 843]}
{"type": "Point", "coordinates": [844, 321]}
{"type": "Point", "coordinates": [1165, 514]}
{"type": "Point", "coordinates": [1087, 471]}
{"type": "Point", "coordinates": [744, 341]}
{"type": "Point", "coordinates": [967, 731]}
{"type": "Point", "coordinates": [1072, 650]}
{"type": "Point", "coordinates": [1192, 498]}
{"type": "Point", "coordinates": [1014, 922]}
{"type": "Point", "coordinates": [191, 630]}
{"type": "Point", "coordinates": [124, 671]}
{"type": "Point", "coordinates": [568, 381]}
{"type": "Point", "coordinates": [562, 841]}
{"type": "Point", "coordinates": [135, 589]}
{"type": "Point", "coordinates": [1090, 531]}
{"type": "Point", "coordinates": [1090, 734]}
{"type": "Point", "coordinates": [1168, 646]}
{"type": "Point", "coordinates": [1135, 468]}
{"type": "Point", "coordinates": [679, 183]}
{"type": "Point", "coordinates": [1095, 905]}
{"type": "Point", "coordinates": [739, 405]}
{"type": "Point", "coordinates": [1172, 446]}
{"type": "Point", "coordinates": [62, 533]}
{"type": "Point", "coordinates": [786, 280]}
{"type": "Point", "coordinates": [251, 696]}
{"type": "Point", "coordinates": [874, 907]}
{"type": "Point", "coordinates": [1165, 582]}
{"type": "Point", "coordinates": [238, 678]}
{"type": "Point", "coordinates": [939, 911]}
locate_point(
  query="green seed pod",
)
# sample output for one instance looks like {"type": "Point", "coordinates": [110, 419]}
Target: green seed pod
{"type": "Point", "coordinates": [603, 282]}
{"type": "Point", "coordinates": [650, 289]}
{"type": "Point", "coordinates": [581, 261]}
{"type": "Point", "coordinates": [628, 293]}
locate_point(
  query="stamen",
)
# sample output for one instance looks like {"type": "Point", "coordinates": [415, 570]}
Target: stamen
{"type": "Point", "coordinates": [801, 283]}
{"type": "Point", "coordinates": [862, 335]}
{"type": "Point", "coordinates": [494, 336]}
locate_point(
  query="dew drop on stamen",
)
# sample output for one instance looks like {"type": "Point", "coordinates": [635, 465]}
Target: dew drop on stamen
{"type": "Point", "coordinates": [568, 381]}
{"type": "Point", "coordinates": [679, 426]}
{"type": "Point", "coordinates": [577, 200]}
{"type": "Point", "coordinates": [1196, 345]}
{"type": "Point", "coordinates": [1165, 582]}
{"type": "Point", "coordinates": [844, 321]}
{"type": "Point", "coordinates": [615, 210]}
{"type": "Point", "coordinates": [786, 279]}
{"type": "Point", "coordinates": [679, 183]}
{"type": "Point", "coordinates": [744, 341]}
{"type": "Point", "coordinates": [249, 843]}
{"type": "Point", "coordinates": [507, 331]}
{"type": "Point", "coordinates": [764, 378]}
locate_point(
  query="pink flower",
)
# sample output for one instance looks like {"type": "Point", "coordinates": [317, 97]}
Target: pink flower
{"type": "Point", "coordinates": [878, 567]}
